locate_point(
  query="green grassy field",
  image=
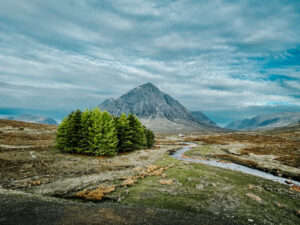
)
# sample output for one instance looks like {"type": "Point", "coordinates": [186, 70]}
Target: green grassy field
{"type": "Point", "coordinates": [216, 192]}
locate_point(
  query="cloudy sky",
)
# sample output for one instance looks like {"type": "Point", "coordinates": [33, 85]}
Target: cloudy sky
{"type": "Point", "coordinates": [229, 59]}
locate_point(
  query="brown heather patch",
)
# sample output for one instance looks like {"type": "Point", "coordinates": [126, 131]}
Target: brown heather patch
{"type": "Point", "coordinates": [188, 139]}
{"type": "Point", "coordinates": [291, 160]}
{"type": "Point", "coordinates": [254, 197]}
{"type": "Point", "coordinates": [295, 188]}
{"type": "Point", "coordinates": [151, 170]}
{"type": "Point", "coordinates": [96, 194]}
{"type": "Point", "coordinates": [241, 138]}
{"type": "Point", "coordinates": [287, 150]}
{"type": "Point", "coordinates": [238, 160]}
{"type": "Point", "coordinates": [18, 133]}
{"type": "Point", "coordinates": [99, 193]}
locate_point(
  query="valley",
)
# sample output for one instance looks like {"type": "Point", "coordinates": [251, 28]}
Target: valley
{"type": "Point", "coordinates": [39, 184]}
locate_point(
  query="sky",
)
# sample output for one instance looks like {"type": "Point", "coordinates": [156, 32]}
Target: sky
{"type": "Point", "coordinates": [228, 59]}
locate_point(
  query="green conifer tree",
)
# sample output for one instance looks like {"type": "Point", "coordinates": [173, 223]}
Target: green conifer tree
{"type": "Point", "coordinates": [138, 137]}
{"type": "Point", "coordinates": [74, 132]}
{"type": "Point", "coordinates": [99, 133]}
{"type": "Point", "coordinates": [95, 132]}
{"type": "Point", "coordinates": [86, 123]}
{"type": "Point", "coordinates": [109, 140]}
{"type": "Point", "coordinates": [150, 138]}
{"type": "Point", "coordinates": [123, 133]}
{"type": "Point", "coordinates": [61, 135]}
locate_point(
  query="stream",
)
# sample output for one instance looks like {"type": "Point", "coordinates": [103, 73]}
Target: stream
{"type": "Point", "coordinates": [232, 166]}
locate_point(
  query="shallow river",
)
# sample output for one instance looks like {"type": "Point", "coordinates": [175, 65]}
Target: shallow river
{"type": "Point", "coordinates": [231, 166]}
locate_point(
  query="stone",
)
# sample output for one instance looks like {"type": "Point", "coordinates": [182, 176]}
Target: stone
{"type": "Point", "coordinates": [166, 182]}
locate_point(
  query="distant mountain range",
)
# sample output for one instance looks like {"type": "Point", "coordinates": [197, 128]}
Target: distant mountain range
{"type": "Point", "coordinates": [266, 121]}
{"type": "Point", "coordinates": [33, 119]}
{"type": "Point", "coordinates": [158, 111]}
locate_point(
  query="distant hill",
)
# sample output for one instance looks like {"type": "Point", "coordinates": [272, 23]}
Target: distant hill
{"type": "Point", "coordinates": [290, 131]}
{"type": "Point", "coordinates": [266, 121]}
{"type": "Point", "coordinates": [157, 110]}
{"type": "Point", "coordinates": [202, 118]}
{"type": "Point", "coordinates": [34, 119]}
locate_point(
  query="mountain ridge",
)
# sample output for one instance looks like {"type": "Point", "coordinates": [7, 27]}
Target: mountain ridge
{"type": "Point", "coordinates": [267, 121]}
{"type": "Point", "coordinates": [156, 109]}
{"type": "Point", "coordinates": [33, 119]}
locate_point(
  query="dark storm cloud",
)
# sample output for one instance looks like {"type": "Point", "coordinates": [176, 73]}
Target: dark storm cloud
{"type": "Point", "coordinates": [225, 56]}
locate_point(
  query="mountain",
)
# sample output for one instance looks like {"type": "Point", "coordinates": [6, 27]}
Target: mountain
{"type": "Point", "coordinates": [266, 121]}
{"type": "Point", "coordinates": [290, 131]}
{"type": "Point", "coordinates": [34, 119]}
{"type": "Point", "coordinates": [202, 118]}
{"type": "Point", "coordinates": [157, 110]}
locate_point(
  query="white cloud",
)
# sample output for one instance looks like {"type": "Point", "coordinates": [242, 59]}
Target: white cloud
{"type": "Point", "coordinates": [210, 55]}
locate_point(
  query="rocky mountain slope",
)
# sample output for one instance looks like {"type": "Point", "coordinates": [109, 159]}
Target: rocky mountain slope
{"type": "Point", "coordinates": [266, 121]}
{"type": "Point", "coordinates": [201, 117]}
{"type": "Point", "coordinates": [34, 119]}
{"type": "Point", "coordinates": [157, 110]}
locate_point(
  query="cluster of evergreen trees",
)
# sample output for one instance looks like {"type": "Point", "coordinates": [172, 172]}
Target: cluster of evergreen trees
{"type": "Point", "coordinates": [98, 133]}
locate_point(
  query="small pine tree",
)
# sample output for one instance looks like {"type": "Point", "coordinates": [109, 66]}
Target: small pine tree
{"type": "Point", "coordinates": [150, 138]}
{"type": "Point", "coordinates": [74, 132]}
{"type": "Point", "coordinates": [61, 135]}
{"type": "Point", "coordinates": [109, 141]}
{"type": "Point", "coordinates": [95, 132]}
{"type": "Point", "coordinates": [138, 137]}
{"type": "Point", "coordinates": [86, 123]}
{"type": "Point", "coordinates": [123, 133]}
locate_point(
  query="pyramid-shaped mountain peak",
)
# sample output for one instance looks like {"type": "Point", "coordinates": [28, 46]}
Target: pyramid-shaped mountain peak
{"type": "Point", "coordinates": [149, 103]}
{"type": "Point", "coordinates": [148, 85]}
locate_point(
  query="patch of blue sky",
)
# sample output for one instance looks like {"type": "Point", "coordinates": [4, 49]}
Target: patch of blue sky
{"type": "Point", "coordinates": [278, 103]}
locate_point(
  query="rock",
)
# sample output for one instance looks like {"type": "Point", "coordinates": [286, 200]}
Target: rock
{"type": "Point", "coordinates": [288, 182]}
{"type": "Point", "coordinates": [199, 186]}
{"type": "Point", "coordinates": [280, 175]}
{"type": "Point", "coordinates": [282, 206]}
{"type": "Point", "coordinates": [250, 220]}
{"type": "Point", "coordinates": [214, 184]}
{"type": "Point", "coordinates": [166, 182]}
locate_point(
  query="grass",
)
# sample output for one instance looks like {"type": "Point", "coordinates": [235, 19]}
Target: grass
{"type": "Point", "coordinates": [213, 191]}
{"type": "Point", "coordinates": [204, 150]}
